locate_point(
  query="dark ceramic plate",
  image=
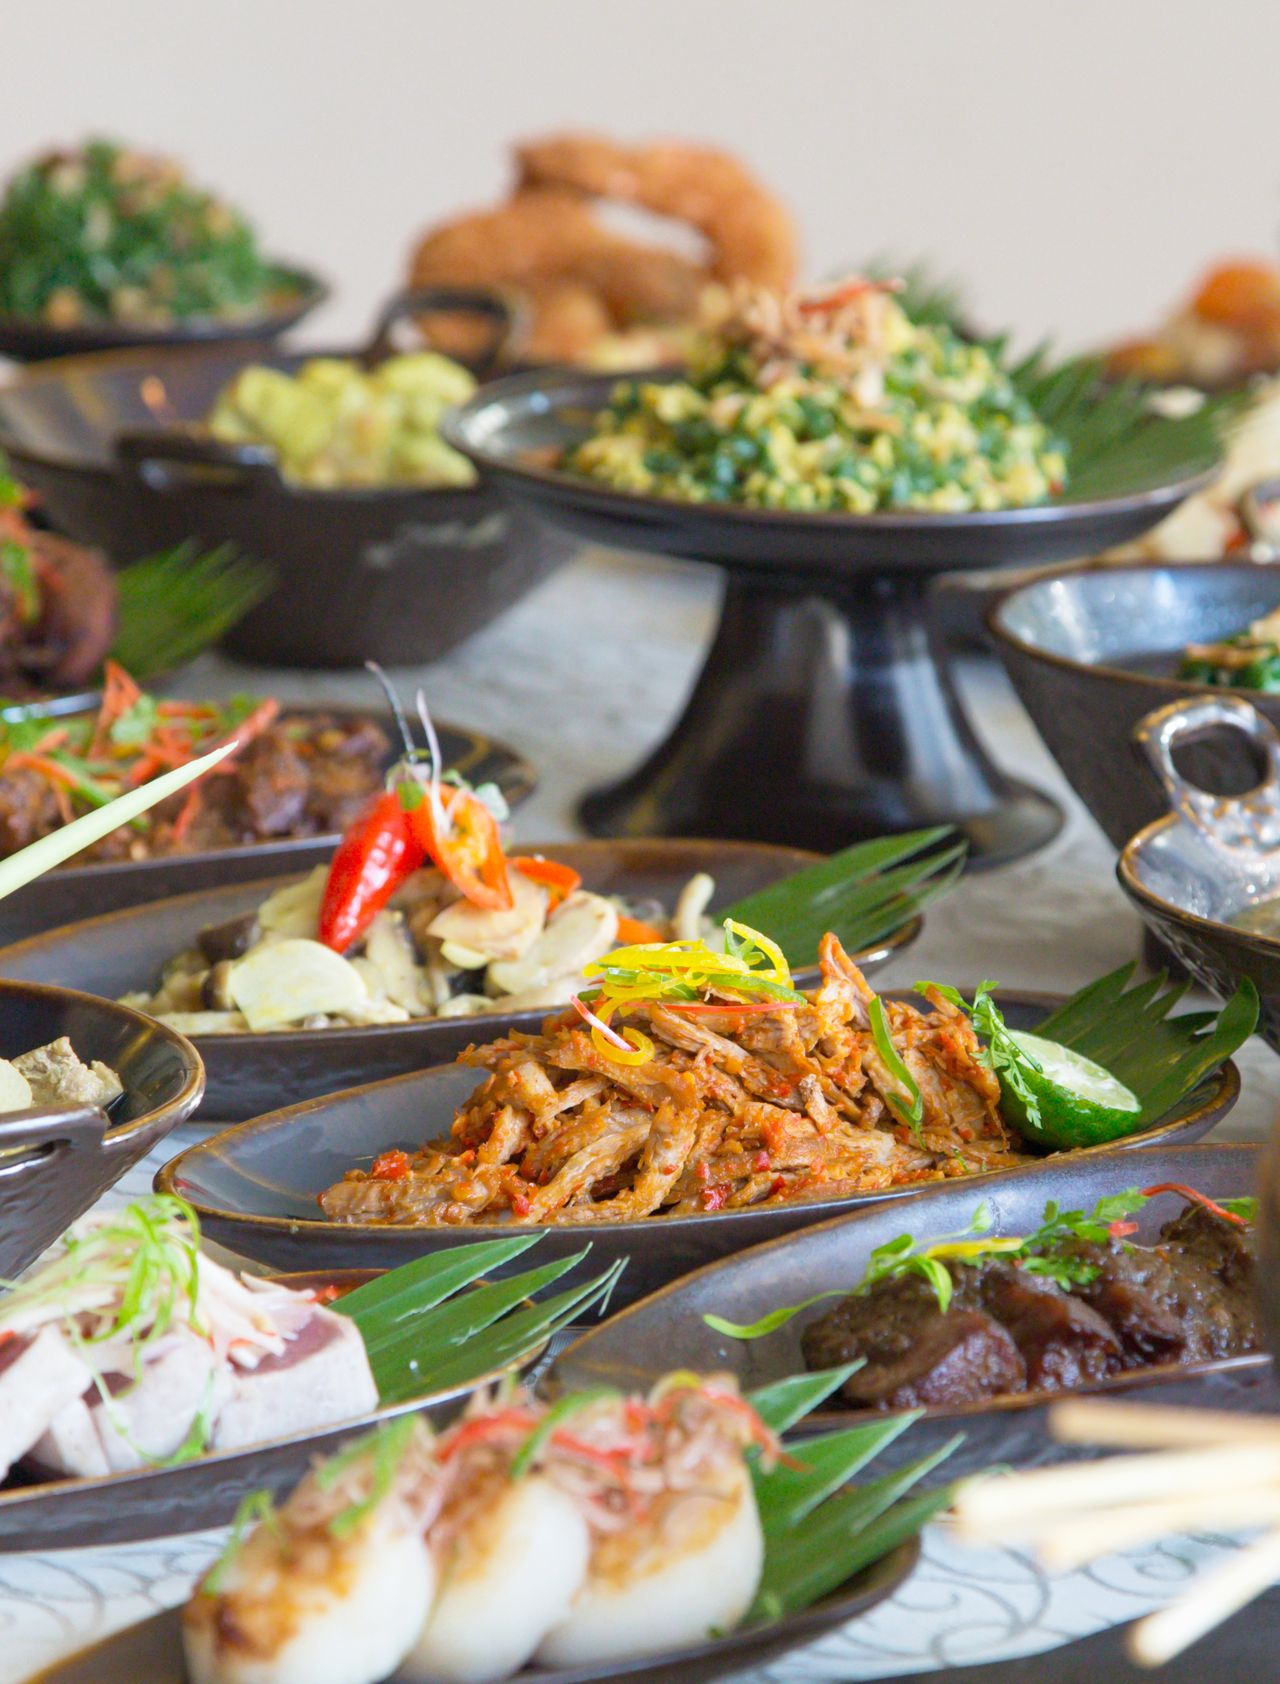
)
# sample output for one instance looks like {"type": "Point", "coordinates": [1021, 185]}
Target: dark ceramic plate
{"type": "Point", "coordinates": [509, 426]}
{"type": "Point", "coordinates": [61, 896]}
{"type": "Point", "coordinates": [255, 1187]}
{"type": "Point", "coordinates": [1192, 872]}
{"type": "Point", "coordinates": [666, 1331]}
{"type": "Point", "coordinates": [28, 339]}
{"type": "Point", "coordinates": [398, 574]}
{"type": "Point", "coordinates": [123, 1508]}
{"type": "Point", "coordinates": [151, 1653]}
{"type": "Point", "coordinates": [1091, 651]}
{"type": "Point", "coordinates": [251, 1073]}
{"type": "Point", "coordinates": [53, 1166]}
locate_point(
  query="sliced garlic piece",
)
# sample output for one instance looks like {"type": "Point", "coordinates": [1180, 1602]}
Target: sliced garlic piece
{"type": "Point", "coordinates": [496, 933]}
{"type": "Point", "coordinates": [15, 1090]}
{"type": "Point", "coordinates": [295, 909]}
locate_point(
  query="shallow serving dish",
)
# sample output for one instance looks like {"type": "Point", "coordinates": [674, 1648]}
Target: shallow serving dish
{"type": "Point", "coordinates": [1092, 650]}
{"type": "Point", "coordinates": [61, 896]}
{"type": "Point", "coordinates": [151, 1653]}
{"type": "Point", "coordinates": [255, 1186]}
{"type": "Point", "coordinates": [125, 950]}
{"type": "Point", "coordinates": [398, 574]}
{"type": "Point", "coordinates": [54, 1165]}
{"type": "Point", "coordinates": [28, 339]}
{"type": "Point", "coordinates": [60, 1512]}
{"type": "Point", "coordinates": [666, 1330]}
{"type": "Point", "coordinates": [1193, 871]}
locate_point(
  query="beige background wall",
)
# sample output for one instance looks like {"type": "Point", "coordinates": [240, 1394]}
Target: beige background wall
{"type": "Point", "coordinates": [1076, 161]}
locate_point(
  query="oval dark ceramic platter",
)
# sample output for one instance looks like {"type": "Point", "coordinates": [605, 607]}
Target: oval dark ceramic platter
{"type": "Point", "coordinates": [57, 1513]}
{"type": "Point", "coordinates": [151, 1653]}
{"type": "Point", "coordinates": [508, 428]}
{"type": "Point", "coordinates": [247, 1073]}
{"type": "Point", "coordinates": [107, 885]}
{"type": "Point", "coordinates": [255, 1186]}
{"type": "Point", "coordinates": [54, 1165]}
{"type": "Point", "coordinates": [667, 1330]}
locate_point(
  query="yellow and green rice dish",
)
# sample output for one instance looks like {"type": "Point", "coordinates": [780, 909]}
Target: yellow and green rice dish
{"type": "Point", "coordinates": [839, 403]}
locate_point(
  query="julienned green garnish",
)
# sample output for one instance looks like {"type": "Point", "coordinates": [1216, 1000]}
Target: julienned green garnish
{"type": "Point", "coordinates": [384, 1450]}
{"type": "Point", "coordinates": [560, 1411]}
{"type": "Point", "coordinates": [912, 1114]}
{"type": "Point", "coordinates": [1002, 1055]}
{"type": "Point", "coordinates": [255, 1508]}
{"type": "Point", "coordinates": [1245, 1209]}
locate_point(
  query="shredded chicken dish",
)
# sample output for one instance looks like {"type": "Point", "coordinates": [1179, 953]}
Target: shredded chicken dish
{"type": "Point", "coordinates": [737, 1106]}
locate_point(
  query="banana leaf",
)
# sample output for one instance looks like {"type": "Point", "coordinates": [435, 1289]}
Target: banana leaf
{"type": "Point", "coordinates": [428, 1327]}
{"type": "Point", "coordinates": [864, 894]}
{"type": "Point", "coordinates": [1130, 1032]}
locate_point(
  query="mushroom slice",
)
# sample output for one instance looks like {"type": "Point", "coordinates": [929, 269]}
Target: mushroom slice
{"type": "Point", "coordinates": [496, 933]}
{"type": "Point", "coordinates": [695, 898]}
{"type": "Point", "coordinates": [289, 980]}
{"type": "Point", "coordinates": [583, 929]}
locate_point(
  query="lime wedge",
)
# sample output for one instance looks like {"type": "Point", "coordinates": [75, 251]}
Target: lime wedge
{"type": "Point", "coordinates": [1081, 1104]}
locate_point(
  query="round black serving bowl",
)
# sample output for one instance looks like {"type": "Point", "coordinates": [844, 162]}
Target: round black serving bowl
{"type": "Point", "coordinates": [1092, 651]}
{"type": "Point", "coordinates": [29, 339]}
{"type": "Point", "coordinates": [398, 574]}
{"type": "Point", "coordinates": [1193, 872]}
{"type": "Point", "coordinates": [54, 1165]}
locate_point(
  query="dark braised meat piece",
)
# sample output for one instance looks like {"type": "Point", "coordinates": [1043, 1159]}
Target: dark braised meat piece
{"type": "Point", "coordinates": [914, 1353]}
{"type": "Point", "coordinates": [269, 787]}
{"type": "Point", "coordinates": [340, 754]}
{"type": "Point", "coordinates": [28, 809]}
{"type": "Point", "coordinates": [1139, 1294]}
{"type": "Point", "coordinates": [1063, 1342]}
{"type": "Point", "coordinates": [1214, 1267]}
{"type": "Point", "coordinates": [77, 623]}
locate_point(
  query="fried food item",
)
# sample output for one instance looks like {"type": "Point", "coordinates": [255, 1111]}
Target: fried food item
{"type": "Point", "coordinates": [750, 234]}
{"type": "Point", "coordinates": [735, 1108]}
{"type": "Point", "coordinates": [1227, 332]}
{"type": "Point", "coordinates": [578, 285]}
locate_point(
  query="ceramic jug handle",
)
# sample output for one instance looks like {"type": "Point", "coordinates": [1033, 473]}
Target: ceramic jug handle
{"type": "Point", "coordinates": [1160, 732]}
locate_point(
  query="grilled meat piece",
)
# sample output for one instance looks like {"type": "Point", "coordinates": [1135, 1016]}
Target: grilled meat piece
{"type": "Point", "coordinates": [1063, 1342]}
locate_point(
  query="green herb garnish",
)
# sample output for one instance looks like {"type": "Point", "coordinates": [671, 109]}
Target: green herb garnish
{"type": "Point", "coordinates": [912, 1114]}
{"type": "Point", "coordinates": [572, 1404]}
{"type": "Point", "coordinates": [1001, 1054]}
{"type": "Point", "coordinates": [384, 1449]}
{"type": "Point", "coordinates": [256, 1507]}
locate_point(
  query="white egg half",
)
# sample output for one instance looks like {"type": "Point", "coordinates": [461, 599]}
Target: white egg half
{"type": "Point", "coordinates": [511, 1578]}
{"type": "Point", "coordinates": [648, 1593]}
{"type": "Point", "coordinates": [348, 1615]}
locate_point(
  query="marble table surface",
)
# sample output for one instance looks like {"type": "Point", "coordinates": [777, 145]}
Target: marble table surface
{"type": "Point", "coordinates": [583, 677]}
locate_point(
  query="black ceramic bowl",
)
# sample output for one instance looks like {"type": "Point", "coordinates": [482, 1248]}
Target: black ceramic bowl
{"type": "Point", "coordinates": [255, 1187]}
{"type": "Point", "coordinates": [125, 951]}
{"type": "Point", "coordinates": [28, 339]}
{"type": "Point", "coordinates": [1092, 651]}
{"type": "Point", "coordinates": [396, 574]}
{"type": "Point", "coordinates": [54, 1166]}
{"type": "Point", "coordinates": [1192, 873]}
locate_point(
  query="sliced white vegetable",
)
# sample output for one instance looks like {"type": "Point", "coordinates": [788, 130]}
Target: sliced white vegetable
{"type": "Point", "coordinates": [295, 909]}
{"type": "Point", "coordinates": [389, 953]}
{"type": "Point", "coordinates": [15, 1090]}
{"type": "Point", "coordinates": [583, 929]}
{"type": "Point", "coordinates": [289, 980]}
{"type": "Point", "coordinates": [496, 933]}
{"type": "Point", "coordinates": [463, 958]}
{"type": "Point", "coordinates": [694, 900]}
{"type": "Point", "coordinates": [697, 1574]}
{"type": "Point", "coordinates": [509, 1579]}
{"type": "Point", "coordinates": [344, 1614]}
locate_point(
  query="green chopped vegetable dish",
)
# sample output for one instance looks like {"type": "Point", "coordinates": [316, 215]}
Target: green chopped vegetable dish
{"type": "Point", "coordinates": [104, 233]}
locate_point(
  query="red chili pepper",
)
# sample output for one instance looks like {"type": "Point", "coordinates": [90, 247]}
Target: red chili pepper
{"type": "Point", "coordinates": [561, 880]}
{"type": "Point", "coordinates": [374, 857]}
{"type": "Point", "coordinates": [1196, 1199]}
{"type": "Point", "coordinates": [715, 1198]}
{"type": "Point", "coordinates": [520, 1205]}
{"type": "Point", "coordinates": [466, 847]}
{"type": "Point", "coordinates": [391, 1166]}
{"type": "Point", "coordinates": [486, 1427]}
{"type": "Point", "coordinates": [1122, 1230]}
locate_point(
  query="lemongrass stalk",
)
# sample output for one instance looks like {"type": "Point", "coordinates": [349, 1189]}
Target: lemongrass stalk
{"type": "Point", "coordinates": [41, 856]}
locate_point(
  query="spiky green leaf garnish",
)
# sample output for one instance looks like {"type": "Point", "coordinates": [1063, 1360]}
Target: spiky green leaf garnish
{"type": "Point", "coordinates": [863, 895]}
{"type": "Point", "coordinates": [175, 605]}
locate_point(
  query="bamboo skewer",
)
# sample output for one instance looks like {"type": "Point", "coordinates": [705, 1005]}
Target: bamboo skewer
{"type": "Point", "coordinates": [1190, 1470]}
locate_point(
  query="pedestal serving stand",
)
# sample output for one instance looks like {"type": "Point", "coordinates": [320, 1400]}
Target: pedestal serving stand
{"type": "Point", "coordinates": [823, 714]}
